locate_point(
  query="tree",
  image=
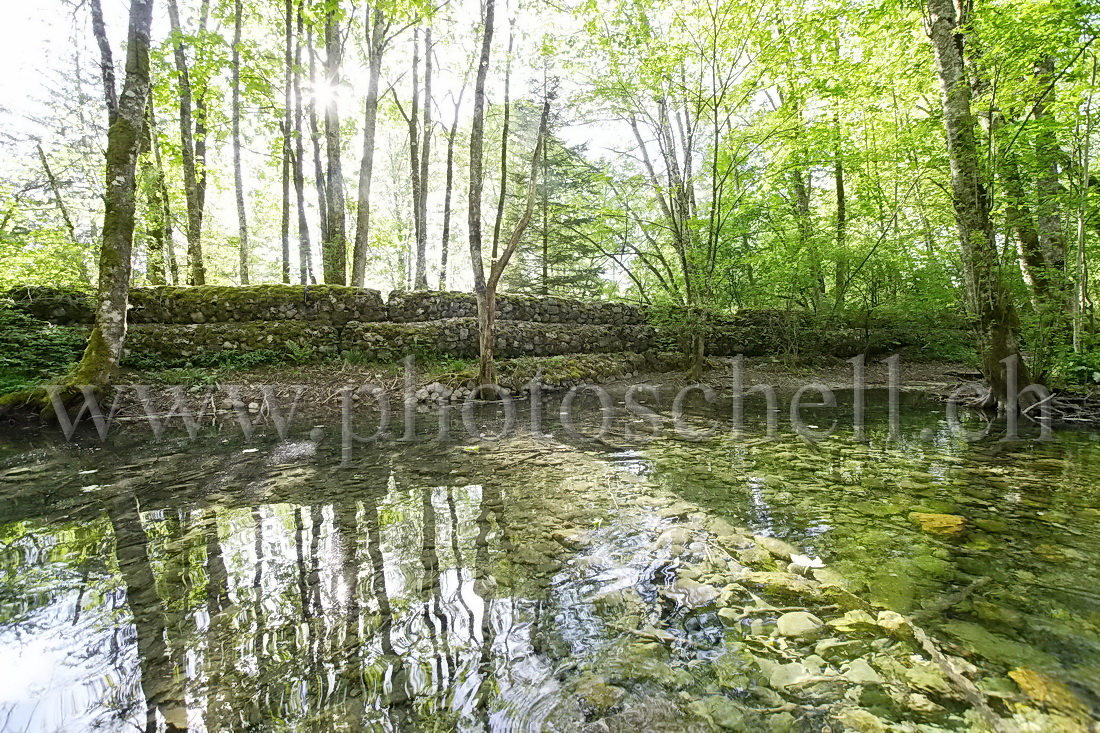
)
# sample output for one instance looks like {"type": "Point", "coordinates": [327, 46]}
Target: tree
{"type": "Point", "coordinates": [238, 178]}
{"type": "Point", "coordinates": [192, 142]}
{"type": "Point", "coordinates": [986, 291]}
{"type": "Point", "coordinates": [104, 350]}
{"type": "Point", "coordinates": [333, 245]}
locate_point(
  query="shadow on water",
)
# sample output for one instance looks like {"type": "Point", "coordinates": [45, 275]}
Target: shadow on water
{"type": "Point", "coordinates": [217, 584]}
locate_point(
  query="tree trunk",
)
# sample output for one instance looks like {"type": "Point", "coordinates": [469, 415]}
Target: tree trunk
{"type": "Point", "coordinates": [504, 140]}
{"type": "Point", "coordinates": [1048, 185]}
{"type": "Point", "coordinates": [238, 177]}
{"type": "Point", "coordinates": [489, 294]}
{"type": "Point", "coordinates": [990, 301]}
{"type": "Point", "coordinates": [486, 302]}
{"type": "Point", "coordinates": [841, 232]}
{"type": "Point", "coordinates": [194, 181]}
{"type": "Point", "coordinates": [413, 121]}
{"type": "Point", "coordinates": [305, 255]}
{"type": "Point", "coordinates": [421, 280]}
{"type": "Point", "coordinates": [104, 349]}
{"type": "Point", "coordinates": [446, 241]}
{"type": "Point", "coordinates": [288, 81]}
{"type": "Point", "coordinates": [151, 184]}
{"type": "Point", "coordinates": [315, 137]}
{"type": "Point", "coordinates": [377, 40]}
{"type": "Point", "coordinates": [166, 204]}
{"type": "Point", "coordinates": [335, 249]}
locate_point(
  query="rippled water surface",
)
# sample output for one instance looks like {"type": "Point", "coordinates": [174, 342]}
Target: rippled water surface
{"type": "Point", "coordinates": [214, 584]}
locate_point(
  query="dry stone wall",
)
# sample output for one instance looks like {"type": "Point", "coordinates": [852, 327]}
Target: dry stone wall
{"type": "Point", "coordinates": [181, 323]}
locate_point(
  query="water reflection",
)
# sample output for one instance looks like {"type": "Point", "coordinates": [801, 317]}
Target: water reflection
{"type": "Point", "coordinates": [525, 588]}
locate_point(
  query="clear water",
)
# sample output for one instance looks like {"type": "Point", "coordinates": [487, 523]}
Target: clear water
{"type": "Point", "coordinates": [213, 584]}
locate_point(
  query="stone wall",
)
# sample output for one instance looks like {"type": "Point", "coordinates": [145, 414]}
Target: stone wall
{"type": "Point", "coordinates": [413, 307]}
{"type": "Point", "coordinates": [180, 323]}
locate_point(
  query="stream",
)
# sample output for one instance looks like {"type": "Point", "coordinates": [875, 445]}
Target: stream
{"type": "Point", "coordinates": [913, 580]}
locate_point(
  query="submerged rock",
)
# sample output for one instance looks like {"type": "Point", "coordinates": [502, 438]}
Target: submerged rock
{"type": "Point", "coordinates": [941, 524]}
{"type": "Point", "coordinates": [798, 623]}
{"type": "Point", "coordinates": [862, 673]}
{"type": "Point", "coordinates": [598, 695]}
{"type": "Point", "coordinates": [691, 594]}
{"type": "Point", "coordinates": [1047, 691]}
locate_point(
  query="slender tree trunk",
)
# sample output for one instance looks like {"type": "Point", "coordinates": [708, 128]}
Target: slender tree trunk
{"type": "Point", "coordinates": [288, 81]}
{"type": "Point", "coordinates": [486, 301]}
{"type": "Point", "coordinates": [315, 137]}
{"type": "Point", "coordinates": [193, 179]}
{"type": "Point", "coordinates": [151, 185]}
{"type": "Point", "coordinates": [989, 299]}
{"type": "Point", "coordinates": [1080, 300]}
{"type": "Point", "coordinates": [485, 366]}
{"type": "Point", "coordinates": [545, 215]}
{"type": "Point", "coordinates": [377, 39]}
{"type": "Point", "coordinates": [504, 140]}
{"type": "Point", "coordinates": [335, 249]}
{"type": "Point", "coordinates": [421, 280]}
{"type": "Point", "coordinates": [446, 241]}
{"type": "Point", "coordinates": [104, 350]}
{"type": "Point", "coordinates": [305, 255]}
{"type": "Point", "coordinates": [413, 121]}
{"type": "Point", "coordinates": [238, 177]}
{"type": "Point", "coordinates": [1021, 224]}
{"type": "Point", "coordinates": [165, 200]}
{"type": "Point", "coordinates": [1048, 185]}
{"type": "Point", "coordinates": [841, 231]}
{"type": "Point", "coordinates": [55, 189]}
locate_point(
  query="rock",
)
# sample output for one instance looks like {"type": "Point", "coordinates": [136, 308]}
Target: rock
{"type": "Point", "coordinates": [596, 694]}
{"type": "Point", "coordinates": [828, 576]}
{"type": "Point", "coordinates": [729, 616]}
{"type": "Point", "coordinates": [777, 547]}
{"type": "Point", "coordinates": [940, 524]}
{"type": "Point", "coordinates": [574, 539]}
{"type": "Point", "coordinates": [892, 621]}
{"type": "Point", "coordinates": [1047, 691]}
{"type": "Point", "coordinates": [854, 621]}
{"type": "Point", "coordinates": [755, 557]}
{"type": "Point", "coordinates": [834, 649]}
{"type": "Point", "coordinates": [690, 593]}
{"type": "Point", "coordinates": [862, 673]}
{"type": "Point", "coordinates": [726, 713]}
{"type": "Point", "coordinates": [798, 623]}
{"type": "Point", "coordinates": [928, 677]}
{"type": "Point", "coordinates": [919, 703]}
{"type": "Point", "coordinates": [785, 675]}
{"type": "Point", "coordinates": [253, 406]}
{"type": "Point", "coordinates": [785, 585]}
{"type": "Point", "coordinates": [991, 525]}
{"type": "Point", "coordinates": [862, 721]}
{"type": "Point", "coordinates": [674, 537]}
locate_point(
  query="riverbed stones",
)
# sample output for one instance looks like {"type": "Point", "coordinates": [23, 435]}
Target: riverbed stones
{"type": "Point", "coordinates": [778, 548]}
{"type": "Point", "coordinates": [691, 594]}
{"type": "Point", "coordinates": [939, 524]}
{"type": "Point", "coordinates": [598, 695]}
{"type": "Point", "coordinates": [862, 673]}
{"type": "Point", "coordinates": [1047, 691]}
{"type": "Point", "coordinates": [798, 623]}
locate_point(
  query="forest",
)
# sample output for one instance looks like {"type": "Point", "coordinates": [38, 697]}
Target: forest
{"type": "Point", "coordinates": [601, 366]}
{"type": "Point", "coordinates": [896, 160]}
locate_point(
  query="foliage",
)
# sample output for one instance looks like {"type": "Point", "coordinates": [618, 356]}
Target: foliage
{"type": "Point", "coordinates": [32, 351]}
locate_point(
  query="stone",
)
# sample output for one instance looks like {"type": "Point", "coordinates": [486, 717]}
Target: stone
{"type": "Point", "coordinates": [726, 713]}
{"type": "Point", "coordinates": [862, 721]}
{"type": "Point", "coordinates": [597, 695]}
{"type": "Point", "coordinates": [777, 547]}
{"type": "Point", "coordinates": [928, 676]}
{"type": "Point", "coordinates": [573, 539]}
{"type": "Point", "coordinates": [785, 675]}
{"type": "Point", "coordinates": [862, 673]}
{"type": "Point", "coordinates": [1047, 691]}
{"type": "Point", "coordinates": [939, 524]}
{"type": "Point", "coordinates": [798, 623]}
{"type": "Point", "coordinates": [691, 594]}
{"type": "Point", "coordinates": [854, 621]}
{"type": "Point", "coordinates": [892, 621]}
{"type": "Point", "coordinates": [782, 584]}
